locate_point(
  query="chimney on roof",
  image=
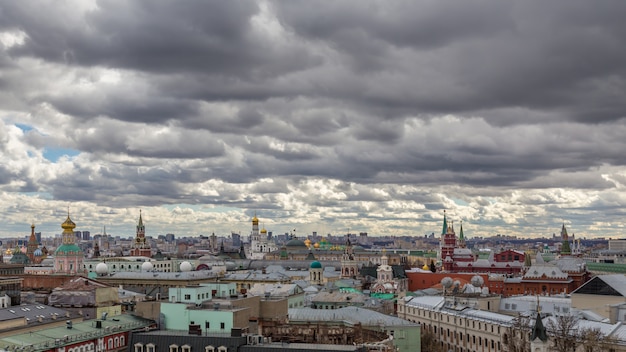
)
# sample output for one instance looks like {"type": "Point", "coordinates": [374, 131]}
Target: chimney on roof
{"type": "Point", "coordinates": [194, 329]}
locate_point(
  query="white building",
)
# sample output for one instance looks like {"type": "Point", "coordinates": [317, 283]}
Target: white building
{"type": "Point", "coordinates": [259, 242]}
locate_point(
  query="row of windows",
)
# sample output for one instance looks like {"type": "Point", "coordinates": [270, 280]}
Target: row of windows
{"type": "Point", "coordinates": [116, 342]}
{"type": "Point", "coordinates": [130, 266]}
{"type": "Point", "coordinates": [481, 326]}
{"type": "Point", "coordinates": [205, 295]}
{"type": "Point", "coordinates": [457, 337]}
{"type": "Point", "coordinates": [150, 347]}
{"type": "Point", "coordinates": [453, 336]}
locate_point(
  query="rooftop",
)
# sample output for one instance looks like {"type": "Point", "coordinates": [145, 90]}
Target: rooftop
{"type": "Point", "coordinates": [82, 331]}
{"type": "Point", "coordinates": [349, 314]}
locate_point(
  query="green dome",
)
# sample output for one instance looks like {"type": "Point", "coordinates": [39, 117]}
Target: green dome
{"type": "Point", "coordinates": [68, 249]}
{"type": "Point", "coordinates": [20, 258]}
{"type": "Point", "coordinates": [296, 243]}
{"type": "Point", "coordinates": [316, 265]}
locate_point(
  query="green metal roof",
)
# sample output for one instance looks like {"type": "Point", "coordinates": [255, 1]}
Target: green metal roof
{"type": "Point", "coordinates": [68, 249]}
{"type": "Point", "coordinates": [43, 340]}
{"type": "Point", "coordinates": [607, 267]}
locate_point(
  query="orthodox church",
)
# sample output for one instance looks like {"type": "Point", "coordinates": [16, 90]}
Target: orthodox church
{"type": "Point", "coordinates": [389, 280]}
{"type": "Point", "coordinates": [68, 257]}
{"type": "Point", "coordinates": [260, 245]}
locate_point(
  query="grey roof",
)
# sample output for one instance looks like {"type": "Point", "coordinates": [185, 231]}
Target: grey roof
{"type": "Point", "coordinates": [571, 264]}
{"type": "Point", "coordinates": [549, 270]}
{"type": "Point", "coordinates": [283, 347]}
{"type": "Point", "coordinates": [162, 339]}
{"type": "Point", "coordinates": [32, 312]}
{"type": "Point", "coordinates": [616, 281]}
{"type": "Point", "coordinates": [293, 264]}
{"type": "Point", "coordinates": [539, 259]}
{"type": "Point", "coordinates": [257, 276]}
{"type": "Point", "coordinates": [350, 314]}
{"type": "Point", "coordinates": [339, 297]}
{"type": "Point", "coordinates": [437, 303]}
{"type": "Point", "coordinates": [275, 290]}
{"type": "Point", "coordinates": [157, 275]}
{"type": "Point", "coordinates": [128, 294]}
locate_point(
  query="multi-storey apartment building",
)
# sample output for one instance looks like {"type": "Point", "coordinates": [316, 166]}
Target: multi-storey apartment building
{"type": "Point", "coordinates": [457, 326]}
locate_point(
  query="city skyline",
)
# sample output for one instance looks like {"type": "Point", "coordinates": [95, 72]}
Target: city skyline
{"type": "Point", "coordinates": [368, 116]}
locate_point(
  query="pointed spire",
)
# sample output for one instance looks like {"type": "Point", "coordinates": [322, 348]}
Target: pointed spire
{"type": "Point", "coordinates": [461, 237]}
{"type": "Point", "coordinates": [140, 219]}
{"type": "Point", "coordinates": [565, 247]}
{"type": "Point", "coordinates": [445, 224]}
{"type": "Point", "coordinates": [527, 260]}
{"type": "Point", "coordinates": [539, 331]}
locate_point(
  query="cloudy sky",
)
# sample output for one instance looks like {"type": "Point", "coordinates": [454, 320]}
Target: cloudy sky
{"type": "Point", "coordinates": [330, 116]}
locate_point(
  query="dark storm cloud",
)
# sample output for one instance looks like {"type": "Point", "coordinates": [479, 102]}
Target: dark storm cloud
{"type": "Point", "coordinates": [488, 54]}
{"type": "Point", "coordinates": [475, 56]}
{"type": "Point", "coordinates": [348, 106]}
{"type": "Point", "coordinates": [215, 120]}
{"type": "Point", "coordinates": [157, 109]}
{"type": "Point", "coordinates": [156, 36]}
{"type": "Point", "coordinates": [402, 23]}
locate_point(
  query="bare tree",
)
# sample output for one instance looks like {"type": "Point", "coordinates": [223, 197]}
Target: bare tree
{"type": "Point", "coordinates": [429, 342]}
{"type": "Point", "coordinates": [517, 336]}
{"type": "Point", "coordinates": [567, 336]}
{"type": "Point", "coordinates": [593, 340]}
{"type": "Point", "coordinates": [563, 333]}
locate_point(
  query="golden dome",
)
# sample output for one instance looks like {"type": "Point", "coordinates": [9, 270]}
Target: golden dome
{"type": "Point", "coordinates": [263, 230]}
{"type": "Point", "coordinates": [68, 224]}
{"type": "Point", "coordinates": [425, 267]}
{"type": "Point", "coordinates": [317, 245]}
{"type": "Point", "coordinates": [307, 242]}
{"type": "Point", "coordinates": [255, 220]}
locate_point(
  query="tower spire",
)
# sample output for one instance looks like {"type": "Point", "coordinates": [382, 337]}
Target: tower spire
{"type": "Point", "coordinates": [445, 223]}
{"type": "Point", "coordinates": [539, 331]}
{"type": "Point", "coordinates": [462, 237]}
{"type": "Point", "coordinates": [565, 247]}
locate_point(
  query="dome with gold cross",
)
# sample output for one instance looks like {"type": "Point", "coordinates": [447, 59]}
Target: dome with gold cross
{"type": "Point", "coordinates": [68, 224]}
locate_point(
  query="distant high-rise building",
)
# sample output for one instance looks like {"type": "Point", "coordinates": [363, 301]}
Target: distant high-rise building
{"type": "Point", "coordinates": [170, 237]}
{"type": "Point", "coordinates": [236, 238]}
